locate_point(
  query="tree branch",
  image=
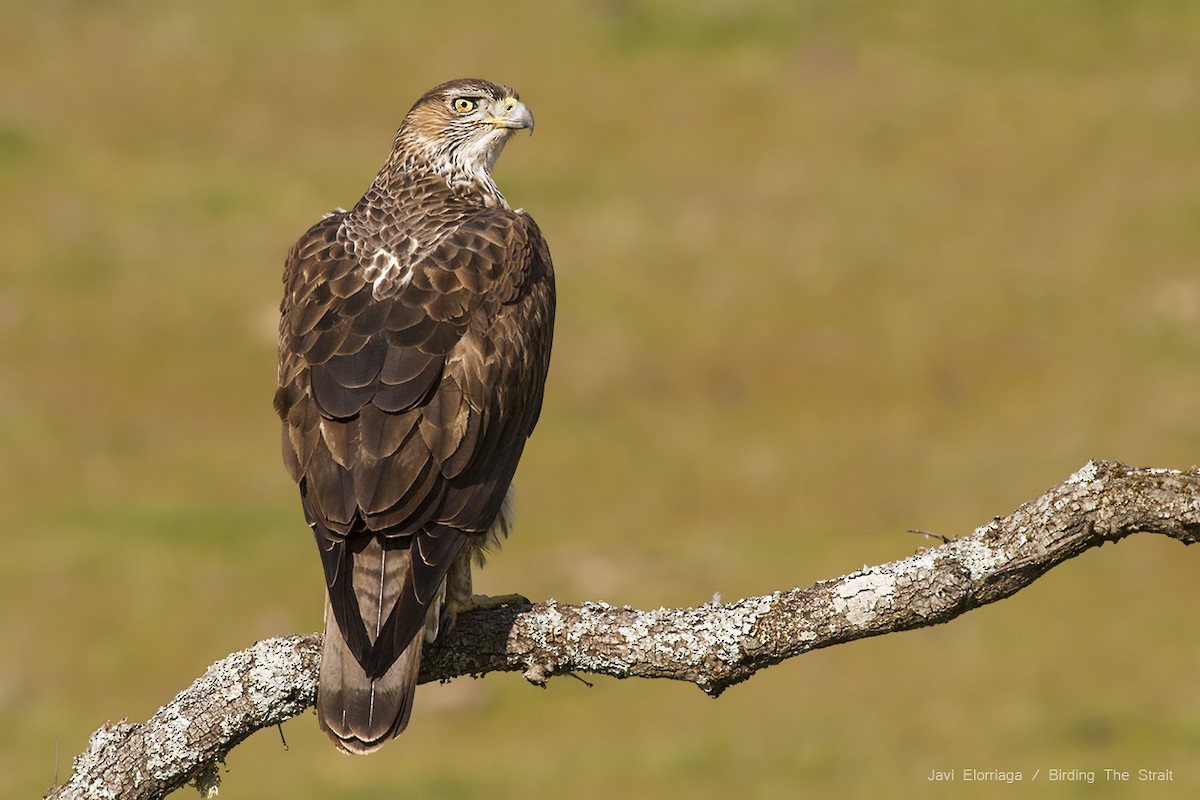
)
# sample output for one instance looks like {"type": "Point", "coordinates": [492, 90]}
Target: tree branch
{"type": "Point", "coordinates": [713, 646]}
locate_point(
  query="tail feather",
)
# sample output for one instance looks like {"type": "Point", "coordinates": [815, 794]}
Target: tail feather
{"type": "Point", "coordinates": [357, 713]}
{"type": "Point", "coordinates": [383, 591]}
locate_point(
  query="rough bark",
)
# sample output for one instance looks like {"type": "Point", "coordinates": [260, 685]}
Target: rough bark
{"type": "Point", "coordinates": [713, 646]}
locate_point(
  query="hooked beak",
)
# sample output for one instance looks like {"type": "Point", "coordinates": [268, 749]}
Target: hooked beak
{"type": "Point", "coordinates": [516, 115]}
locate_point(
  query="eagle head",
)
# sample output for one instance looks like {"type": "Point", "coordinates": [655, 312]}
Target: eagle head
{"type": "Point", "coordinates": [460, 127]}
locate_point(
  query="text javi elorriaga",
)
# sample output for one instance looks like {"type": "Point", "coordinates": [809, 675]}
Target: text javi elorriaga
{"type": "Point", "coordinates": [971, 774]}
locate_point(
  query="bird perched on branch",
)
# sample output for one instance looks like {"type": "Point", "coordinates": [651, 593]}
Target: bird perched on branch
{"type": "Point", "coordinates": [414, 344]}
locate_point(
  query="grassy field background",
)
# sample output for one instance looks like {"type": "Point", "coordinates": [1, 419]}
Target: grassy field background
{"type": "Point", "coordinates": [826, 272]}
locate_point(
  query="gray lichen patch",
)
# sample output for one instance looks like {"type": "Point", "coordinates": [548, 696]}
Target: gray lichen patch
{"type": "Point", "coordinates": [979, 559]}
{"type": "Point", "coordinates": [169, 741]}
{"type": "Point", "coordinates": [95, 760]}
{"type": "Point", "coordinates": [624, 642]}
{"type": "Point", "coordinates": [858, 599]}
{"type": "Point", "coordinates": [1085, 474]}
{"type": "Point", "coordinates": [208, 780]}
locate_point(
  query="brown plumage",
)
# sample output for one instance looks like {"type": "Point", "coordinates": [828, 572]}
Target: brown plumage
{"type": "Point", "coordinates": [413, 349]}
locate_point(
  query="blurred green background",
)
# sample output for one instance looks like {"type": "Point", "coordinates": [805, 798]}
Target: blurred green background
{"type": "Point", "coordinates": [827, 271]}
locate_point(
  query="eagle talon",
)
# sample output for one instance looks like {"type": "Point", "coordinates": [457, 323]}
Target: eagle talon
{"type": "Point", "coordinates": [479, 602]}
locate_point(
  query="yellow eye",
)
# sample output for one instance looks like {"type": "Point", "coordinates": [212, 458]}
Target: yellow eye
{"type": "Point", "coordinates": [464, 105]}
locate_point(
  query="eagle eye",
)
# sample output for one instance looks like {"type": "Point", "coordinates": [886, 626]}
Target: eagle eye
{"type": "Point", "coordinates": [465, 105]}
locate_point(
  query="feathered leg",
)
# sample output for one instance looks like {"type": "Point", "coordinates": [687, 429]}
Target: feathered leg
{"type": "Point", "coordinates": [459, 596]}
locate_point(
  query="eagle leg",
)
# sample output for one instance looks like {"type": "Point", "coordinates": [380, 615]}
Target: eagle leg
{"type": "Point", "coordinates": [459, 598]}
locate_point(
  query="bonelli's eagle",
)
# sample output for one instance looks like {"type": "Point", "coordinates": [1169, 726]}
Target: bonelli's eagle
{"type": "Point", "coordinates": [413, 349]}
